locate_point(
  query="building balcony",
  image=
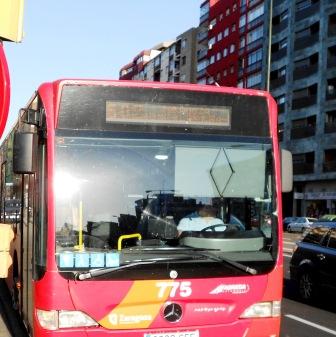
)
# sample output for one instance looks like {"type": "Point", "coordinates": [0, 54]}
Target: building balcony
{"type": "Point", "coordinates": [329, 166]}
{"type": "Point", "coordinates": [204, 18]}
{"type": "Point", "coordinates": [255, 44]}
{"type": "Point", "coordinates": [303, 168]}
{"type": "Point", "coordinates": [303, 72]}
{"type": "Point", "coordinates": [255, 22]}
{"type": "Point", "coordinates": [276, 56]}
{"type": "Point", "coordinates": [202, 54]}
{"type": "Point", "coordinates": [329, 127]}
{"type": "Point", "coordinates": [253, 67]}
{"type": "Point", "coordinates": [309, 11]}
{"type": "Point", "coordinates": [305, 42]}
{"type": "Point", "coordinates": [330, 96]}
{"type": "Point", "coordinates": [276, 29]}
{"type": "Point", "coordinates": [201, 36]}
{"type": "Point", "coordinates": [303, 132]}
{"type": "Point", "coordinates": [254, 2]}
{"type": "Point", "coordinates": [201, 73]}
{"type": "Point", "coordinates": [331, 63]}
{"type": "Point", "coordinates": [278, 82]}
{"type": "Point", "coordinates": [278, 3]}
{"type": "Point", "coordinates": [304, 102]}
{"type": "Point", "coordinates": [332, 30]}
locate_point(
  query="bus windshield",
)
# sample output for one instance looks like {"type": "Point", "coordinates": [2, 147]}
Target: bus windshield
{"type": "Point", "coordinates": [123, 200]}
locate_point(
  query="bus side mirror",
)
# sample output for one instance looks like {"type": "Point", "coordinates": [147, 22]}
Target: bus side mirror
{"type": "Point", "coordinates": [286, 171]}
{"type": "Point", "coordinates": [24, 152]}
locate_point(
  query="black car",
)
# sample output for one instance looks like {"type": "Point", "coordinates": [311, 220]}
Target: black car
{"type": "Point", "coordinates": [313, 264]}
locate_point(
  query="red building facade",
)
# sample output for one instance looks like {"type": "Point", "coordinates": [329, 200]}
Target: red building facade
{"type": "Point", "coordinates": [236, 50]}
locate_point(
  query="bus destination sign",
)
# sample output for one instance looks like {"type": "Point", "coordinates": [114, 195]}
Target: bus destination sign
{"type": "Point", "coordinates": [131, 112]}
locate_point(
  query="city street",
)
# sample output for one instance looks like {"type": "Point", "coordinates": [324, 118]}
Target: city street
{"type": "Point", "coordinates": [299, 319]}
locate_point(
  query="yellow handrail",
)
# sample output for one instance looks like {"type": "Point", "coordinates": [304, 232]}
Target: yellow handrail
{"type": "Point", "coordinates": [129, 236]}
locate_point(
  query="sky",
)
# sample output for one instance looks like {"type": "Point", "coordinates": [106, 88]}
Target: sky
{"type": "Point", "coordinates": [88, 39]}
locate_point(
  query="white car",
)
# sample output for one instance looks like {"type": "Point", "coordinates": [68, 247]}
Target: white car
{"type": "Point", "coordinates": [301, 224]}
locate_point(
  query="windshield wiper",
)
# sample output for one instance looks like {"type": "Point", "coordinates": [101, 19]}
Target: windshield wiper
{"type": "Point", "coordinates": [203, 252]}
{"type": "Point", "coordinates": [128, 264]}
{"type": "Point", "coordinates": [235, 264]}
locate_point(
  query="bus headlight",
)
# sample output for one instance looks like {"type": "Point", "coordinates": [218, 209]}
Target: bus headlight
{"type": "Point", "coordinates": [53, 319]}
{"type": "Point", "coordinates": [263, 309]}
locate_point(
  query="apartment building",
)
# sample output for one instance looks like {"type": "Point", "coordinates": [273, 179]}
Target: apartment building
{"type": "Point", "coordinates": [303, 81]}
{"type": "Point", "coordinates": [235, 36]}
{"type": "Point", "coordinates": [173, 61]}
{"type": "Point", "coordinates": [234, 39]}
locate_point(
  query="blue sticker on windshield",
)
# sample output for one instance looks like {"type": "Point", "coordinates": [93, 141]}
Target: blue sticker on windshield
{"type": "Point", "coordinates": [66, 260]}
{"type": "Point", "coordinates": [82, 260]}
{"type": "Point", "coordinates": [97, 260]}
{"type": "Point", "coordinates": [112, 260]}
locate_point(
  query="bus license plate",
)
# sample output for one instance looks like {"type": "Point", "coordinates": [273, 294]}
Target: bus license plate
{"type": "Point", "coordinates": [174, 334]}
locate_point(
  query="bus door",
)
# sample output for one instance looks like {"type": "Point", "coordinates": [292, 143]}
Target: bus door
{"type": "Point", "coordinates": [27, 251]}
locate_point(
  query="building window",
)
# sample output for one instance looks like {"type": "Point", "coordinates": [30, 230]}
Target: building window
{"type": "Point", "coordinates": [212, 59]}
{"type": "Point", "coordinates": [225, 52]}
{"type": "Point", "coordinates": [232, 69]}
{"type": "Point", "coordinates": [227, 13]}
{"type": "Point", "coordinates": [211, 80]}
{"type": "Point", "coordinates": [232, 48]}
{"type": "Point", "coordinates": [184, 60]}
{"type": "Point", "coordinates": [219, 36]}
{"type": "Point", "coordinates": [212, 23]}
{"type": "Point", "coordinates": [282, 72]}
{"type": "Point", "coordinates": [242, 42]}
{"type": "Point", "coordinates": [254, 57]}
{"type": "Point", "coordinates": [233, 28]}
{"type": "Point", "coordinates": [280, 99]}
{"type": "Point", "coordinates": [212, 41]}
{"type": "Point", "coordinates": [284, 15]}
{"type": "Point", "coordinates": [221, 16]}
{"type": "Point", "coordinates": [202, 65]}
{"type": "Point", "coordinates": [225, 72]}
{"type": "Point", "coordinates": [184, 43]}
{"type": "Point", "coordinates": [255, 13]}
{"type": "Point", "coordinates": [205, 9]}
{"type": "Point", "coordinates": [242, 21]}
{"type": "Point", "coordinates": [253, 80]}
{"type": "Point", "coordinates": [218, 56]}
{"type": "Point", "coordinates": [202, 81]}
{"type": "Point", "coordinates": [234, 8]}
{"type": "Point", "coordinates": [303, 4]}
{"type": "Point", "coordinates": [255, 34]}
{"type": "Point", "coordinates": [226, 32]}
{"type": "Point", "coordinates": [283, 43]}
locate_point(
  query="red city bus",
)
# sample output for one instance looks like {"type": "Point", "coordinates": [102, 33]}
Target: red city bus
{"type": "Point", "coordinates": [145, 209]}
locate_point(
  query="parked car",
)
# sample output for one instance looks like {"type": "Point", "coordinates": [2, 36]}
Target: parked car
{"type": "Point", "coordinates": [287, 221]}
{"type": "Point", "coordinates": [301, 224]}
{"type": "Point", "coordinates": [313, 264]}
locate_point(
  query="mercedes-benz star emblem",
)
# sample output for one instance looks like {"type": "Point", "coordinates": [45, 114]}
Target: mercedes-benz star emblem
{"type": "Point", "coordinates": [172, 312]}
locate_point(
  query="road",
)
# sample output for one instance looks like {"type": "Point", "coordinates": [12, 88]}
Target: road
{"type": "Point", "coordinates": [299, 319]}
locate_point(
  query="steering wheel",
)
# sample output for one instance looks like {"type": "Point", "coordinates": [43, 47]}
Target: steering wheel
{"type": "Point", "coordinates": [212, 228]}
